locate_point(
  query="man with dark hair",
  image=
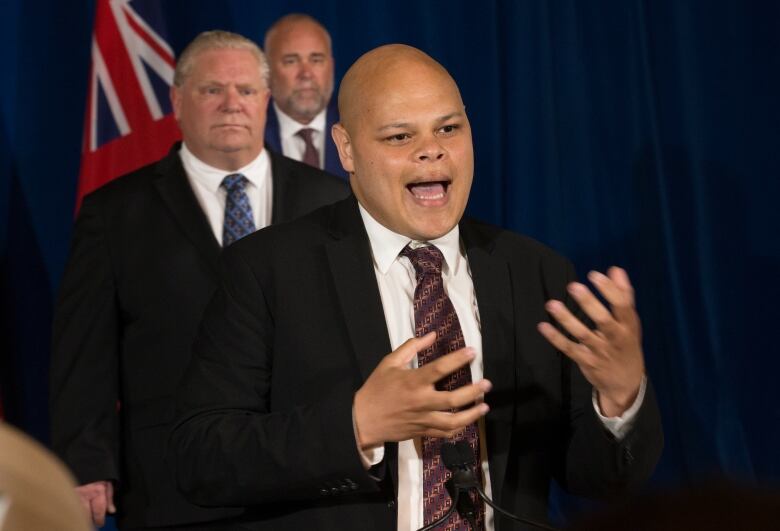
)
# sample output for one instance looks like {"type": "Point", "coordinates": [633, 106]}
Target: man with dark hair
{"type": "Point", "coordinates": [143, 265]}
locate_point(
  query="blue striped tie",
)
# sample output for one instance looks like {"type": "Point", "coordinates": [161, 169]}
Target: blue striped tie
{"type": "Point", "coordinates": [239, 220]}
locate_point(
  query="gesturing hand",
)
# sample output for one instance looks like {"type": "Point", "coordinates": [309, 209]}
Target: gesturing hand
{"type": "Point", "coordinates": [398, 403]}
{"type": "Point", "coordinates": [610, 357]}
{"type": "Point", "coordinates": [97, 499]}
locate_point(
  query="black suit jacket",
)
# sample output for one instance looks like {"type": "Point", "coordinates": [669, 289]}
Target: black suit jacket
{"type": "Point", "coordinates": [142, 267]}
{"type": "Point", "coordinates": [332, 162]}
{"type": "Point", "coordinates": [298, 325]}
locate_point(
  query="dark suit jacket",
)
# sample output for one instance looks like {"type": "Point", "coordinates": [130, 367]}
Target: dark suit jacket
{"type": "Point", "coordinates": [332, 162]}
{"type": "Point", "coordinates": [296, 328]}
{"type": "Point", "coordinates": [142, 267]}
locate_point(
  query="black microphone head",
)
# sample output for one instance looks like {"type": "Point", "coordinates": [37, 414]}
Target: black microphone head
{"type": "Point", "coordinates": [450, 456]}
{"type": "Point", "coordinates": [465, 455]}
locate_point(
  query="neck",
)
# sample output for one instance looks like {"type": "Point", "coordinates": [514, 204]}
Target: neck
{"type": "Point", "coordinates": [229, 161]}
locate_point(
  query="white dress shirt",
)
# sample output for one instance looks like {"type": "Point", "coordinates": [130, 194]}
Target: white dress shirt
{"type": "Point", "coordinates": [205, 181]}
{"type": "Point", "coordinates": [293, 145]}
{"type": "Point", "coordinates": [397, 281]}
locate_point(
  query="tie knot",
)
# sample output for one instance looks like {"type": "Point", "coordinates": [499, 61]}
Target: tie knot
{"type": "Point", "coordinates": [235, 182]}
{"type": "Point", "coordinates": [306, 133]}
{"type": "Point", "coordinates": [426, 260]}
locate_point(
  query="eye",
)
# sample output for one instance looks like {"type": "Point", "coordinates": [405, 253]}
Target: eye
{"type": "Point", "coordinates": [211, 91]}
{"type": "Point", "coordinates": [247, 91]}
{"type": "Point", "coordinates": [399, 138]}
{"type": "Point", "coordinates": [449, 129]}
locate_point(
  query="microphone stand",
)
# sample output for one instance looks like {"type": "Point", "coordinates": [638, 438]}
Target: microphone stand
{"type": "Point", "coordinates": [458, 459]}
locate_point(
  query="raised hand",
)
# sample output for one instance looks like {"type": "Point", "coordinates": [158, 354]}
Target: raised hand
{"type": "Point", "coordinates": [397, 403]}
{"type": "Point", "coordinates": [610, 356]}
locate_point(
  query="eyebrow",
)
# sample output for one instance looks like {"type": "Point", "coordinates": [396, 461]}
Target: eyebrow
{"type": "Point", "coordinates": [296, 55]}
{"type": "Point", "coordinates": [441, 119]}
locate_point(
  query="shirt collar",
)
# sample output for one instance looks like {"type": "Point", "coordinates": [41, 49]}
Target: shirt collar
{"type": "Point", "coordinates": [289, 127]}
{"type": "Point", "coordinates": [386, 244]}
{"type": "Point", "coordinates": [256, 172]}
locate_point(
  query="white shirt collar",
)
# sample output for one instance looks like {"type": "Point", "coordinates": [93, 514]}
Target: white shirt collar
{"type": "Point", "coordinates": [211, 178]}
{"type": "Point", "coordinates": [386, 244]}
{"type": "Point", "coordinates": [289, 127]}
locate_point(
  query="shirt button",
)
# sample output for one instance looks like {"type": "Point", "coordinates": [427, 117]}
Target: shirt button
{"type": "Point", "coordinates": [391, 504]}
{"type": "Point", "coordinates": [324, 492]}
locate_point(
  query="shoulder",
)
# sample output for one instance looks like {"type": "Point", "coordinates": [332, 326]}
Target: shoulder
{"type": "Point", "coordinates": [524, 254]}
{"type": "Point", "coordinates": [135, 183]}
{"type": "Point", "coordinates": [283, 239]}
{"type": "Point", "coordinates": [281, 253]}
{"type": "Point", "coordinates": [505, 242]}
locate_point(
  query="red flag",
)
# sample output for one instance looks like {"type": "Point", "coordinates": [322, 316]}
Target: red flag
{"type": "Point", "coordinates": [129, 121]}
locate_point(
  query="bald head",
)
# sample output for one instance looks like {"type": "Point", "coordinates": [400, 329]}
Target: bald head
{"type": "Point", "coordinates": [381, 69]}
{"type": "Point", "coordinates": [405, 140]}
{"type": "Point", "coordinates": [299, 52]}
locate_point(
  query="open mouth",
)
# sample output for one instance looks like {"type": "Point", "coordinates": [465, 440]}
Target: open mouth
{"type": "Point", "coordinates": [429, 190]}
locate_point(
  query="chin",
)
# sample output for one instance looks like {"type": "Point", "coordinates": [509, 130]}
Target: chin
{"type": "Point", "coordinates": [432, 232]}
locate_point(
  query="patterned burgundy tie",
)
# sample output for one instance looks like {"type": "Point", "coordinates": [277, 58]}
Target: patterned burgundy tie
{"type": "Point", "coordinates": [433, 310]}
{"type": "Point", "coordinates": [310, 156]}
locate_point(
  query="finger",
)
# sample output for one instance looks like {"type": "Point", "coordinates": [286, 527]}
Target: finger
{"type": "Point", "coordinates": [574, 326]}
{"type": "Point", "coordinates": [593, 308]}
{"type": "Point", "coordinates": [460, 397]}
{"type": "Point", "coordinates": [581, 355]}
{"type": "Point", "coordinates": [98, 504]}
{"type": "Point", "coordinates": [85, 503]}
{"type": "Point", "coordinates": [110, 497]}
{"type": "Point", "coordinates": [446, 424]}
{"type": "Point", "coordinates": [627, 312]}
{"type": "Point", "coordinates": [401, 356]}
{"type": "Point", "coordinates": [436, 370]}
{"type": "Point", "coordinates": [617, 291]}
{"type": "Point", "coordinates": [620, 277]}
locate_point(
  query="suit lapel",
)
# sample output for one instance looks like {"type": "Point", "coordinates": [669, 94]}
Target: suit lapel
{"type": "Point", "coordinates": [492, 283]}
{"type": "Point", "coordinates": [280, 188]}
{"type": "Point", "coordinates": [352, 270]}
{"type": "Point", "coordinates": [174, 187]}
{"type": "Point", "coordinates": [349, 256]}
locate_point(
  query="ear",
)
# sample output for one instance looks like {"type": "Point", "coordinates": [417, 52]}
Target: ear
{"type": "Point", "coordinates": [344, 145]}
{"type": "Point", "coordinates": [175, 101]}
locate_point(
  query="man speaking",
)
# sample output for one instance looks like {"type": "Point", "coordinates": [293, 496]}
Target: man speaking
{"type": "Point", "coordinates": [344, 348]}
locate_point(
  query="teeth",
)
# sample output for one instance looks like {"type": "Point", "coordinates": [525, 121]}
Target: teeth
{"type": "Point", "coordinates": [437, 196]}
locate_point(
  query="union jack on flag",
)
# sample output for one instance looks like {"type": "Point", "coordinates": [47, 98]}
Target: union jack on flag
{"type": "Point", "coordinates": [128, 121]}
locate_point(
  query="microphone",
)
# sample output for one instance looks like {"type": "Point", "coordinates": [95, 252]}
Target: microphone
{"type": "Point", "coordinates": [459, 460]}
{"type": "Point", "coordinates": [464, 505]}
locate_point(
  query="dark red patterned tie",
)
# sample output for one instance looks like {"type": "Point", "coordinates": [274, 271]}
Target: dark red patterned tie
{"type": "Point", "coordinates": [310, 156]}
{"type": "Point", "coordinates": [433, 310]}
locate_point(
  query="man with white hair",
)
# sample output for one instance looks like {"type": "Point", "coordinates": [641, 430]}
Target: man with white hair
{"type": "Point", "coordinates": [143, 265]}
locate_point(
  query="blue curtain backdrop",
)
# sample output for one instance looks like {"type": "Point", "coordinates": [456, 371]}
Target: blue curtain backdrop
{"type": "Point", "coordinates": [643, 133]}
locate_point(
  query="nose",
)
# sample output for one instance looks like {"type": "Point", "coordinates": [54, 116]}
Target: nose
{"type": "Point", "coordinates": [230, 103]}
{"type": "Point", "coordinates": [430, 150]}
{"type": "Point", "coordinates": [304, 71]}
